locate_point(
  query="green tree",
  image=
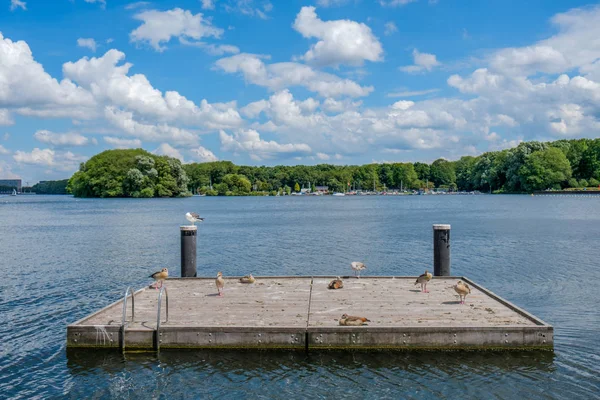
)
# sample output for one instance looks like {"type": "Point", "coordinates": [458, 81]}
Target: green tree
{"type": "Point", "coordinates": [296, 187]}
{"type": "Point", "coordinates": [544, 169]}
{"type": "Point", "coordinates": [464, 171]}
{"type": "Point", "coordinates": [442, 173]}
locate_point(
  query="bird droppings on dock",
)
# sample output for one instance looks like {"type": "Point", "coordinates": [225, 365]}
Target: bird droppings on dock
{"type": "Point", "coordinates": [264, 315]}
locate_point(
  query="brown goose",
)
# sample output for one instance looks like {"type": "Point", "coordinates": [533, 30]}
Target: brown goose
{"type": "Point", "coordinates": [336, 284]}
{"type": "Point", "coordinates": [160, 276]}
{"type": "Point", "coordinates": [463, 290]}
{"type": "Point", "coordinates": [348, 320]}
{"type": "Point", "coordinates": [423, 280]}
{"type": "Point", "coordinates": [220, 282]}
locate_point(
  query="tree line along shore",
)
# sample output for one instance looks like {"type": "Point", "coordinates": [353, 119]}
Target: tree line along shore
{"type": "Point", "coordinates": [529, 167]}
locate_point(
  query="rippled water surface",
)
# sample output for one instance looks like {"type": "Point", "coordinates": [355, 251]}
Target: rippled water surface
{"type": "Point", "coordinates": [62, 258]}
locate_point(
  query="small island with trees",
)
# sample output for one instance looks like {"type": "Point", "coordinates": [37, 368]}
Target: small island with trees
{"type": "Point", "coordinates": [529, 167]}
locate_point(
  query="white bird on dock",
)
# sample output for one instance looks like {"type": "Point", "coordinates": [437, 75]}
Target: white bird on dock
{"type": "Point", "coordinates": [193, 217]}
{"type": "Point", "coordinates": [357, 267]}
{"type": "Point", "coordinates": [463, 290]}
{"type": "Point", "coordinates": [423, 280]}
{"type": "Point", "coordinates": [220, 282]}
{"type": "Point", "coordinates": [160, 276]}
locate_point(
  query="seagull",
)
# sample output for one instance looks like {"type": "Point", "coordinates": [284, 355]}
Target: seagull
{"type": "Point", "coordinates": [336, 283]}
{"type": "Point", "coordinates": [247, 279]}
{"type": "Point", "coordinates": [423, 280]}
{"type": "Point", "coordinates": [357, 267]}
{"type": "Point", "coordinates": [193, 218]}
{"type": "Point", "coordinates": [353, 321]}
{"type": "Point", "coordinates": [463, 290]}
{"type": "Point", "coordinates": [160, 276]}
{"type": "Point", "coordinates": [220, 282]}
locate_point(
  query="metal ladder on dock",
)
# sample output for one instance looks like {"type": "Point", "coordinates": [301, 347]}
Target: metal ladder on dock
{"type": "Point", "coordinates": [124, 322]}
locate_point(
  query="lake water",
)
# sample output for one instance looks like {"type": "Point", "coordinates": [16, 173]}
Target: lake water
{"type": "Point", "coordinates": [62, 258]}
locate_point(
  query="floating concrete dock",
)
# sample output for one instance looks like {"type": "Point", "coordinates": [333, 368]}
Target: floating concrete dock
{"type": "Point", "coordinates": [302, 313]}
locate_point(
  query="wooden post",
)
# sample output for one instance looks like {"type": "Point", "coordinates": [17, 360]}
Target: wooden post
{"type": "Point", "coordinates": [188, 251]}
{"type": "Point", "coordinates": [441, 250]}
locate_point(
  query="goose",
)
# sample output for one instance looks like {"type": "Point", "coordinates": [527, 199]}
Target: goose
{"type": "Point", "coordinates": [423, 280]}
{"type": "Point", "coordinates": [160, 276]}
{"type": "Point", "coordinates": [220, 282]}
{"type": "Point", "coordinates": [247, 279]}
{"type": "Point", "coordinates": [336, 284]}
{"type": "Point", "coordinates": [463, 290]}
{"type": "Point", "coordinates": [348, 320]}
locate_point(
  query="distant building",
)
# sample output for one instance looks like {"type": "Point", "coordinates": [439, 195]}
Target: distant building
{"type": "Point", "coordinates": [322, 189]}
{"type": "Point", "coordinates": [13, 183]}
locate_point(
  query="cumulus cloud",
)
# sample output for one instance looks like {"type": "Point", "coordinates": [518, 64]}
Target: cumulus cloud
{"type": "Point", "coordinates": [119, 143]}
{"type": "Point", "coordinates": [3, 150]}
{"type": "Point", "coordinates": [14, 4]}
{"type": "Point", "coordinates": [249, 141]}
{"type": "Point", "coordinates": [89, 43]}
{"type": "Point", "coordinates": [202, 154]}
{"type": "Point", "coordinates": [61, 139]}
{"type": "Point", "coordinates": [5, 118]}
{"type": "Point", "coordinates": [281, 75]}
{"type": "Point", "coordinates": [165, 149]}
{"type": "Point", "coordinates": [339, 41]}
{"type": "Point", "coordinates": [160, 27]}
{"type": "Point", "coordinates": [37, 156]}
{"type": "Point", "coordinates": [422, 62]}
{"type": "Point", "coordinates": [24, 83]}
{"type": "Point", "coordinates": [110, 83]}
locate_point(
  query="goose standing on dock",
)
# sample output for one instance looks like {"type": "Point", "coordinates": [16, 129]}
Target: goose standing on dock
{"type": "Point", "coordinates": [247, 279]}
{"type": "Point", "coordinates": [348, 320]}
{"type": "Point", "coordinates": [160, 276]}
{"type": "Point", "coordinates": [220, 282]}
{"type": "Point", "coordinates": [357, 267]}
{"type": "Point", "coordinates": [336, 283]}
{"type": "Point", "coordinates": [463, 290]}
{"type": "Point", "coordinates": [423, 280]}
{"type": "Point", "coordinates": [193, 217]}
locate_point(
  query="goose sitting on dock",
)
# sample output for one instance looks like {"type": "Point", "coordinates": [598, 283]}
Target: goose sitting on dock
{"type": "Point", "coordinates": [336, 283]}
{"type": "Point", "coordinates": [247, 279]}
{"type": "Point", "coordinates": [423, 280]}
{"type": "Point", "coordinates": [463, 290]}
{"type": "Point", "coordinates": [193, 217]}
{"type": "Point", "coordinates": [348, 320]}
{"type": "Point", "coordinates": [220, 282]}
{"type": "Point", "coordinates": [357, 267]}
{"type": "Point", "coordinates": [160, 276]}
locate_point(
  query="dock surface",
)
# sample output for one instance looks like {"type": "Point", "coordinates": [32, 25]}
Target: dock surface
{"type": "Point", "coordinates": [302, 313]}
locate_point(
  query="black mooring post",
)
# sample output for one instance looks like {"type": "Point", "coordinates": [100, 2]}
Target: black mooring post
{"type": "Point", "coordinates": [441, 250]}
{"type": "Point", "coordinates": [188, 251]}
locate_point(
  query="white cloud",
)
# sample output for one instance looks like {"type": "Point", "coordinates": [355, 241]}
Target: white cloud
{"type": "Point", "coordinates": [411, 93]}
{"type": "Point", "coordinates": [160, 27]}
{"type": "Point", "coordinates": [37, 156]}
{"type": "Point", "coordinates": [5, 118]}
{"type": "Point", "coordinates": [249, 141]}
{"type": "Point", "coordinates": [208, 4]}
{"type": "Point", "coordinates": [14, 4]}
{"type": "Point", "coordinates": [89, 43]}
{"type": "Point", "coordinates": [287, 74]}
{"type": "Point", "coordinates": [422, 62]}
{"type": "Point", "coordinates": [119, 143]}
{"type": "Point", "coordinates": [212, 49]}
{"type": "Point", "coordinates": [110, 84]}
{"type": "Point", "coordinates": [24, 83]}
{"type": "Point", "coordinates": [137, 4]}
{"type": "Point", "coordinates": [202, 154]}
{"type": "Point", "coordinates": [61, 139]}
{"type": "Point", "coordinates": [249, 7]}
{"type": "Point", "coordinates": [339, 41]}
{"type": "Point", "coordinates": [3, 150]}
{"type": "Point", "coordinates": [390, 28]}
{"type": "Point", "coordinates": [101, 2]}
{"type": "Point", "coordinates": [165, 149]}
{"type": "Point", "coordinates": [125, 121]}
{"type": "Point", "coordinates": [331, 3]}
{"type": "Point", "coordinates": [323, 156]}
{"type": "Point", "coordinates": [395, 3]}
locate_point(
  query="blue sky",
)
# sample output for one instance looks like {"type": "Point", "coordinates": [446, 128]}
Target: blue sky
{"type": "Point", "coordinates": [291, 82]}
